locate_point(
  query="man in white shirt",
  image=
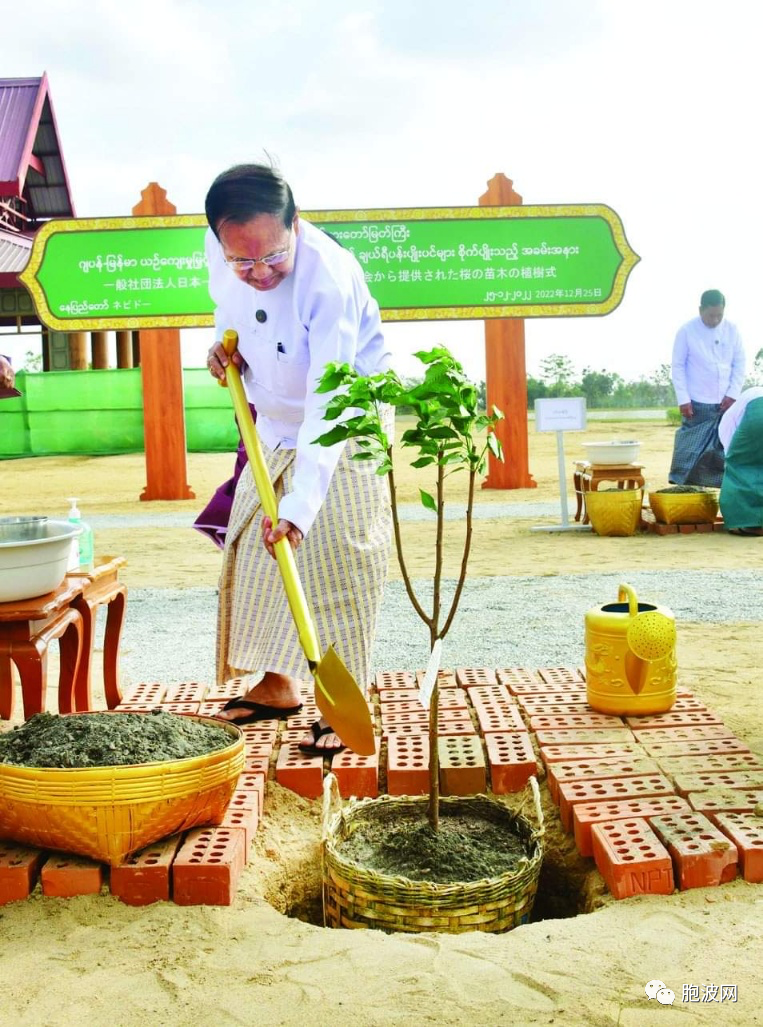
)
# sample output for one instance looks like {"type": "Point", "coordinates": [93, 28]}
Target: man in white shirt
{"type": "Point", "coordinates": [708, 372]}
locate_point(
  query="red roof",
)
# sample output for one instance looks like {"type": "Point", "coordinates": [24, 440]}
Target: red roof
{"type": "Point", "coordinates": [33, 182]}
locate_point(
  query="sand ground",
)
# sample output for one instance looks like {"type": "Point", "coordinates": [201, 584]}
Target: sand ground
{"type": "Point", "coordinates": [94, 960]}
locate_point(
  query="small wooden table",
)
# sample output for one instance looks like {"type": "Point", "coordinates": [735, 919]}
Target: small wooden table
{"type": "Point", "coordinates": [586, 477]}
{"type": "Point", "coordinates": [100, 586]}
{"type": "Point", "coordinates": [27, 627]}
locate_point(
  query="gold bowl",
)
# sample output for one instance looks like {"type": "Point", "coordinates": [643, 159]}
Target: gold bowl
{"type": "Point", "coordinates": [684, 507]}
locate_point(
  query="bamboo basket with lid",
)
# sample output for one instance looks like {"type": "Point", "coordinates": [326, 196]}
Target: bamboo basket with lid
{"type": "Point", "coordinates": [108, 812]}
{"type": "Point", "coordinates": [360, 897]}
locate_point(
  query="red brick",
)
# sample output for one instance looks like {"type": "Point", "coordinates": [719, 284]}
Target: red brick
{"type": "Point", "coordinates": [539, 687]}
{"type": "Point", "coordinates": [499, 719]}
{"type": "Point", "coordinates": [535, 709]}
{"type": "Point", "coordinates": [445, 678]}
{"type": "Point", "coordinates": [693, 747]}
{"type": "Point", "coordinates": [598, 751]}
{"type": "Point", "coordinates": [536, 702]}
{"type": "Point", "coordinates": [516, 676]}
{"type": "Point", "coordinates": [688, 702]}
{"type": "Point", "coordinates": [391, 715]}
{"type": "Point", "coordinates": [725, 800]}
{"type": "Point", "coordinates": [144, 876]}
{"type": "Point", "coordinates": [63, 876]}
{"type": "Point", "coordinates": [408, 765]}
{"type": "Point", "coordinates": [211, 707]}
{"type": "Point", "coordinates": [263, 747]}
{"type": "Point", "coordinates": [405, 730]}
{"type": "Point", "coordinates": [242, 819]}
{"type": "Point", "coordinates": [207, 867]}
{"type": "Point", "coordinates": [19, 869]}
{"type": "Point", "coordinates": [230, 689]}
{"type": "Point", "coordinates": [387, 679]}
{"type": "Point", "coordinates": [575, 721]}
{"type": "Point", "coordinates": [560, 675]}
{"type": "Point", "coordinates": [587, 770]}
{"type": "Point", "coordinates": [398, 695]}
{"type": "Point", "coordinates": [702, 782]}
{"type": "Point", "coordinates": [180, 707]}
{"type": "Point", "coordinates": [708, 763]}
{"type": "Point", "coordinates": [687, 529]}
{"type": "Point", "coordinates": [675, 718]}
{"type": "Point", "coordinates": [260, 731]}
{"type": "Point", "coordinates": [512, 761]}
{"type": "Point", "coordinates": [462, 766]}
{"type": "Point", "coordinates": [694, 733]}
{"type": "Point", "coordinates": [466, 676]}
{"type": "Point", "coordinates": [250, 797]}
{"type": "Point", "coordinates": [186, 691]}
{"type": "Point", "coordinates": [663, 529]}
{"type": "Point", "coordinates": [585, 736]}
{"type": "Point", "coordinates": [357, 775]}
{"type": "Point", "coordinates": [301, 773]}
{"type": "Point", "coordinates": [137, 707]}
{"type": "Point", "coordinates": [608, 790]}
{"type": "Point", "coordinates": [146, 691]}
{"type": "Point", "coordinates": [490, 694]}
{"type": "Point", "coordinates": [746, 832]}
{"type": "Point", "coordinates": [702, 856]}
{"type": "Point", "coordinates": [631, 858]}
{"type": "Point", "coordinates": [256, 764]}
{"type": "Point", "coordinates": [450, 725]}
{"type": "Point", "coordinates": [586, 814]}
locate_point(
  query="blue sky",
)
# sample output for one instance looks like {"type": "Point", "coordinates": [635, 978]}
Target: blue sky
{"type": "Point", "coordinates": [649, 108]}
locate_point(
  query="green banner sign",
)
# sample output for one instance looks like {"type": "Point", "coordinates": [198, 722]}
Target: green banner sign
{"type": "Point", "coordinates": [420, 264]}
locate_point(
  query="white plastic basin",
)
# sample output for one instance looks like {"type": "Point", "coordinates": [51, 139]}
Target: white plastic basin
{"type": "Point", "coordinates": [31, 567]}
{"type": "Point", "coordinates": [615, 452]}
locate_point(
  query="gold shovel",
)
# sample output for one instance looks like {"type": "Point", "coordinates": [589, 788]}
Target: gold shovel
{"type": "Point", "coordinates": [337, 694]}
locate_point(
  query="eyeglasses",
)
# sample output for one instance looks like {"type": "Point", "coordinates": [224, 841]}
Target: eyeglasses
{"type": "Point", "coordinates": [243, 264]}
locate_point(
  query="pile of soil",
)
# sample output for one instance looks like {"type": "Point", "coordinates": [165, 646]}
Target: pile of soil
{"type": "Point", "coordinates": [465, 848]}
{"type": "Point", "coordinates": [108, 740]}
{"type": "Point", "coordinates": [683, 489]}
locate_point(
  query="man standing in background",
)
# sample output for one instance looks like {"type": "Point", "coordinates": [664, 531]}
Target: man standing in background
{"type": "Point", "coordinates": [708, 374]}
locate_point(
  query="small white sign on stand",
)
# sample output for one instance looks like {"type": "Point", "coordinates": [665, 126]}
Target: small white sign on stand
{"type": "Point", "coordinates": [561, 415]}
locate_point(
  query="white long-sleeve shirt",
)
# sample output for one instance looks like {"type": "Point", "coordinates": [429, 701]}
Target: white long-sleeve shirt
{"type": "Point", "coordinates": [708, 363]}
{"type": "Point", "coordinates": [321, 312]}
{"type": "Point", "coordinates": [733, 416]}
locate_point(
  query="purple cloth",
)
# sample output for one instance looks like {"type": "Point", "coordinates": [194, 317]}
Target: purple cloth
{"type": "Point", "coordinates": [213, 519]}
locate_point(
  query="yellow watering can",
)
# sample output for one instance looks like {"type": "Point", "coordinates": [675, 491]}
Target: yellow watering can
{"type": "Point", "coordinates": [630, 656]}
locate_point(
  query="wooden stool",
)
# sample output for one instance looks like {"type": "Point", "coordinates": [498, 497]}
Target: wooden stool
{"type": "Point", "coordinates": [587, 476]}
{"type": "Point", "coordinates": [100, 587]}
{"type": "Point", "coordinates": [27, 628]}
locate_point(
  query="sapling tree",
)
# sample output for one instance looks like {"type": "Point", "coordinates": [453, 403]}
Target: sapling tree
{"type": "Point", "coordinates": [451, 434]}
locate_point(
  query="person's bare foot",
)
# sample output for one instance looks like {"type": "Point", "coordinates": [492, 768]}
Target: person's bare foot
{"type": "Point", "coordinates": [320, 740]}
{"type": "Point", "coordinates": [277, 690]}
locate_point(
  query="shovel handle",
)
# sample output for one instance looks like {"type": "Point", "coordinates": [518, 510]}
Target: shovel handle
{"type": "Point", "coordinates": [284, 554]}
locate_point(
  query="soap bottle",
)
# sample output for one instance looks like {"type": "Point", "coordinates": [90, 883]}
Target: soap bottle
{"type": "Point", "coordinates": [82, 545]}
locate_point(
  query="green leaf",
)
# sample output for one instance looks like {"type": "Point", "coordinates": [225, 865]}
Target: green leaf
{"type": "Point", "coordinates": [428, 501]}
{"type": "Point", "coordinates": [330, 438]}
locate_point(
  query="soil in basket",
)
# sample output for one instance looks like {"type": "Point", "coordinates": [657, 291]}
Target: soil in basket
{"type": "Point", "coordinates": [108, 739]}
{"type": "Point", "coordinates": [466, 848]}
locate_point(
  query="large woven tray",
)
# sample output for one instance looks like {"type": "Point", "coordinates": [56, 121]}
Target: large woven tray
{"type": "Point", "coordinates": [358, 897]}
{"type": "Point", "coordinates": [107, 812]}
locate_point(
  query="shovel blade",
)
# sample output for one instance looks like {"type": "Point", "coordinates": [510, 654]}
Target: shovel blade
{"type": "Point", "coordinates": [343, 705]}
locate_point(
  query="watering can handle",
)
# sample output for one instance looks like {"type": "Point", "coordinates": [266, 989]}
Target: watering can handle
{"type": "Point", "coordinates": [626, 592]}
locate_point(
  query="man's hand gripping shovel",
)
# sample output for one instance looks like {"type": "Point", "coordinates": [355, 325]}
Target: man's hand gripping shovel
{"type": "Point", "coordinates": [337, 694]}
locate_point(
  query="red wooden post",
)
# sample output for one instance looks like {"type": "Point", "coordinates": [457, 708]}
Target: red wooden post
{"type": "Point", "coordinates": [162, 377]}
{"type": "Point", "coordinates": [506, 374]}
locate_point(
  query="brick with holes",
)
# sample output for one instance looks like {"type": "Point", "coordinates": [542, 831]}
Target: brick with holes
{"type": "Point", "coordinates": [462, 765]}
{"type": "Point", "coordinates": [586, 770]}
{"type": "Point", "coordinates": [702, 855]}
{"type": "Point", "coordinates": [586, 814]}
{"type": "Point", "coordinates": [144, 876]}
{"type": "Point", "coordinates": [207, 867]}
{"type": "Point", "coordinates": [19, 869]}
{"type": "Point", "coordinates": [511, 759]}
{"type": "Point", "coordinates": [608, 790]}
{"type": "Point", "coordinates": [631, 858]}
{"type": "Point", "coordinates": [745, 830]}
{"type": "Point", "coordinates": [408, 765]}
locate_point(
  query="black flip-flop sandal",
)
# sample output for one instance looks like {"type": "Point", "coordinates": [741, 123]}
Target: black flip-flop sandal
{"type": "Point", "coordinates": [258, 710]}
{"type": "Point", "coordinates": [319, 732]}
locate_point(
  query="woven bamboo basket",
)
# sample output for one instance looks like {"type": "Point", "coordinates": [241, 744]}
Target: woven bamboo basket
{"type": "Point", "coordinates": [684, 507]}
{"type": "Point", "coordinates": [108, 812]}
{"type": "Point", "coordinates": [614, 511]}
{"type": "Point", "coordinates": [358, 897]}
